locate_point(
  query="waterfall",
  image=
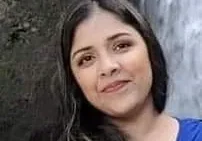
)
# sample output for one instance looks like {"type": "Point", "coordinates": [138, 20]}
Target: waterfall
{"type": "Point", "coordinates": [178, 26]}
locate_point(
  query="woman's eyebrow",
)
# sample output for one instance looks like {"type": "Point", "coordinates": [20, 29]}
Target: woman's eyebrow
{"type": "Point", "coordinates": [117, 35]}
{"type": "Point", "coordinates": [81, 50]}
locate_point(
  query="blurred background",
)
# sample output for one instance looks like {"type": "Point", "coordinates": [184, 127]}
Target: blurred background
{"type": "Point", "coordinates": [29, 32]}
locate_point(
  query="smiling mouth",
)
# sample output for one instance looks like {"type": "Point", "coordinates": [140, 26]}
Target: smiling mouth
{"type": "Point", "coordinates": [115, 87]}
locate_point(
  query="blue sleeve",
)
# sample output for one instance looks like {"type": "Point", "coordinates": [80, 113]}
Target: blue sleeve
{"type": "Point", "coordinates": [190, 130]}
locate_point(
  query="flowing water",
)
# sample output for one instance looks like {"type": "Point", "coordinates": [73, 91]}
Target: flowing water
{"type": "Point", "coordinates": [178, 26]}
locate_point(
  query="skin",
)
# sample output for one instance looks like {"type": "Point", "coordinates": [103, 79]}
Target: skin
{"type": "Point", "coordinates": [105, 50]}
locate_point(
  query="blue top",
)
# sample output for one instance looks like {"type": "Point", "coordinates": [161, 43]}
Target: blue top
{"type": "Point", "coordinates": [190, 130]}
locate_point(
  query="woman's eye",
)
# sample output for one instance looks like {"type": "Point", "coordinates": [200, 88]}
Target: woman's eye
{"type": "Point", "coordinates": [121, 47]}
{"type": "Point", "coordinates": [85, 60]}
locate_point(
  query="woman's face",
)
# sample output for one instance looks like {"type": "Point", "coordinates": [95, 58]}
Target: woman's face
{"type": "Point", "coordinates": [109, 60]}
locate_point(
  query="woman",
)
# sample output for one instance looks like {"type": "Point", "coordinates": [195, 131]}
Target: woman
{"type": "Point", "coordinates": [115, 77]}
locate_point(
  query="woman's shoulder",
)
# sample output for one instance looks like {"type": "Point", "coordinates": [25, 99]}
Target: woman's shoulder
{"type": "Point", "coordinates": [190, 129]}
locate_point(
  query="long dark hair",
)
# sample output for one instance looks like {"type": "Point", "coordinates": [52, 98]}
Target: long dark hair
{"type": "Point", "coordinates": [75, 112]}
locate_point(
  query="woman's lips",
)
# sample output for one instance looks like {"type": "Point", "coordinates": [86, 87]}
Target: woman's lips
{"type": "Point", "coordinates": [115, 86]}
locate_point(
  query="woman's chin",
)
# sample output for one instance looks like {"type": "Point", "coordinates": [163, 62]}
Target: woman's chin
{"type": "Point", "coordinates": [121, 113]}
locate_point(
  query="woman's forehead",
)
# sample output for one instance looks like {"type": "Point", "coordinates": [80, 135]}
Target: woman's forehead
{"type": "Point", "coordinates": [100, 25]}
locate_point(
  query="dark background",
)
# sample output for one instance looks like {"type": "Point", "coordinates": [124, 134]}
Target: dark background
{"type": "Point", "coordinates": [29, 30]}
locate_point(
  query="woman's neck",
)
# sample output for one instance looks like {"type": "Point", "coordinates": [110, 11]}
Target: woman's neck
{"type": "Point", "coordinates": [147, 124]}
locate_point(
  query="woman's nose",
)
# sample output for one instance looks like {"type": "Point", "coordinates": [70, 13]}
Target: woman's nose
{"type": "Point", "coordinates": [108, 66]}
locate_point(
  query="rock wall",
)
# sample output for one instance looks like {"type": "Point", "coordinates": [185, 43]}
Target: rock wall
{"type": "Point", "coordinates": [28, 33]}
{"type": "Point", "coordinates": [178, 25]}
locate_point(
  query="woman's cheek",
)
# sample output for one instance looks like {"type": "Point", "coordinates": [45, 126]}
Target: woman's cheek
{"type": "Point", "coordinates": [86, 79]}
